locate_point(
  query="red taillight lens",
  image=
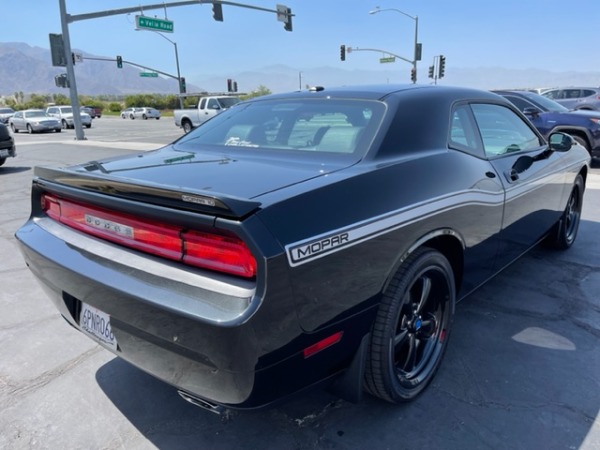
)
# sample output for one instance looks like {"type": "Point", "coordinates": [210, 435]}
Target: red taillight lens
{"type": "Point", "coordinates": [223, 253]}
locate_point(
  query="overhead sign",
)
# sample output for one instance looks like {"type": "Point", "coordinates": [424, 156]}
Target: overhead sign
{"type": "Point", "coordinates": [387, 59]}
{"type": "Point", "coordinates": [57, 50]}
{"type": "Point", "coordinates": [148, 74]}
{"type": "Point", "coordinates": [152, 23]}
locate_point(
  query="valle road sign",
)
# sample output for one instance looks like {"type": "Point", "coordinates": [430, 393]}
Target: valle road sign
{"type": "Point", "coordinates": [152, 23]}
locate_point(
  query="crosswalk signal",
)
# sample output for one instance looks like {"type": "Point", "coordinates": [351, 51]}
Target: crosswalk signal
{"type": "Point", "coordinates": [119, 62]}
{"type": "Point", "coordinates": [343, 52]}
{"type": "Point", "coordinates": [442, 69]}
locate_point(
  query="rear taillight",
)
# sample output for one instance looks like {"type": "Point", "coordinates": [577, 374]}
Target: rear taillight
{"type": "Point", "coordinates": [220, 252]}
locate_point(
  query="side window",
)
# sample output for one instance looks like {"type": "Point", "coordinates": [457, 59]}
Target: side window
{"type": "Point", "coordinates": [551, 94]}
{"type": "Point", "coordinates": [463, 133]}
{"type": "Point", "coordinates": [202, 104]}
{"type": "Point", "coordinates": [587, 93]}
{"type": "Point", "coordinates": [503, 131]}
{"type": "Point", "coordinates": [571, 93]}
{"type": "Point", "coordinates": [213, 104]}
{"type": "Point", "coordinates": [520, 103]}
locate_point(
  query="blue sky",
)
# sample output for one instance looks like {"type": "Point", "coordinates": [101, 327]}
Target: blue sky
{"type": "Point", "coordinates": [512, 34]}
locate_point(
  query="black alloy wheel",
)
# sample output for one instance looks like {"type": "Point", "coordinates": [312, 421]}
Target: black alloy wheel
{"type": "Point", "coordinates": [411, 330]}
{"type": "Point", "coordinates": [565, 231]}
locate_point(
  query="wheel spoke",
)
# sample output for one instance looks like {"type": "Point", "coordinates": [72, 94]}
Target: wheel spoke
{"type": "Point", "coordinates": [425, 290]}
{"type": "Point", "coordinates": [411, 354]}
{"type": "Point", "coordinates": [399, 339]}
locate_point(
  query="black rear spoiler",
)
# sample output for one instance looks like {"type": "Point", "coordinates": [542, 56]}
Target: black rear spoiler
{"type": "Point", "coordinates": [156, 194]}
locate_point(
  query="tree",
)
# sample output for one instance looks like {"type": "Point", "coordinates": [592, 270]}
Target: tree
{"type": "Point", "coordinates": [258, 92]}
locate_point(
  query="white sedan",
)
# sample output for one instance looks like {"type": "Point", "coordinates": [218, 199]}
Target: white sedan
{"type": "Point", "coordinates": [140, 113]}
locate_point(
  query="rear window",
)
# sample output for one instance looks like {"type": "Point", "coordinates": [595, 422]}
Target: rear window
{"type": "Point", "coordinates": [310, 125]}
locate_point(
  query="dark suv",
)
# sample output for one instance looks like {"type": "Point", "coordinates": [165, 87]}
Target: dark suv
{"type": "Point", "coordinates": [548, 116]}
{"type": "Point", "coordinates": [7, 144]}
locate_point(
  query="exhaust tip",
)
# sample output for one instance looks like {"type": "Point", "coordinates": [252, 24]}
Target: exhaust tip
{"type": "Point", "coordinates": [201, 403]}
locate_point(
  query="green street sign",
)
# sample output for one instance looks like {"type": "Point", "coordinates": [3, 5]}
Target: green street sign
{"type": "Point", "coordinates": [152, 23]}
{"type": "Point", "coordinates": [387, 59]}
{"type": "Point", "coordinates": [148, 74]}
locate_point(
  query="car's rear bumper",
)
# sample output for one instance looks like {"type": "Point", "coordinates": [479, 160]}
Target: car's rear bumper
{"type": "Point", "coordinates": [180, 325]}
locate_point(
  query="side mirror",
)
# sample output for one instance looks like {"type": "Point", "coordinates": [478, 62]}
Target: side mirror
{"type": "Point", "coordinates": [560, 142]}
{"type": "Point", "coordinates": [531, 111]}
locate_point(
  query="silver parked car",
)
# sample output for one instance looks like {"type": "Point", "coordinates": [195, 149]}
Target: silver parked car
{"type": "Point", "coordinates": [5, 114]}
{"type": "Point", "coordinates": [140, 113]}
{"type": "Point", "coordinates": [65, 115]}
{"type": "Point", "coordinates": [576, 97]}
{"type": "Point", "coordinates": [33, 121]}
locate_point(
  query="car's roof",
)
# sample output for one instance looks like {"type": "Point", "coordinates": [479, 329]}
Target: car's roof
{"type": "Point", "coordinates": [381, 91]}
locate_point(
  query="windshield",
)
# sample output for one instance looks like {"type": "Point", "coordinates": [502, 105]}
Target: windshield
{"type": "Point", "coordinates": [6, 111]}
{"type": "Point", "coordinates": [36, 114]}
{"type": "Point", "coordinates": [66, 110]}
{"type": "Point", "coordinates": [228, 102]}
{"type": "Point", "coordinates": [310, 126]}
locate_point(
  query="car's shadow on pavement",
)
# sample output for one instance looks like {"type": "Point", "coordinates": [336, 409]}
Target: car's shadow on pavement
{"type": "Point", "coordinates": [521, 372]}
{"type": "Point", "coordinates": [5, 170]}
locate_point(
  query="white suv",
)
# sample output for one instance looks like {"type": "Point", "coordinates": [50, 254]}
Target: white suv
{"type": "Point", "coordinates": [65, 115]}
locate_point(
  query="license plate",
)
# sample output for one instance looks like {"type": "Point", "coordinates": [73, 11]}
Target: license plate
{"type": "Point", "coordinates": [96, 323]}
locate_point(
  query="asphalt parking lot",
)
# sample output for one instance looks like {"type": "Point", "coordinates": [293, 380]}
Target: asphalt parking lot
{"type": "Point", "coordinates": [522, 370]}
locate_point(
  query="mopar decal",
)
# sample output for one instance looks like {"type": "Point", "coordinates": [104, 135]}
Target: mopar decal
{"type": "Point", "coordinates": [315, 247]}
{"type": "Point", "coordinates": [311, 249]}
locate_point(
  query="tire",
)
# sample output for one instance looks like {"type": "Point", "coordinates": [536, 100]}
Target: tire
{"type": "Point", "coordinates": [13, 128]}
{"type": "Point", "coordinates": [58, 130]}
{"type": "Point", "coordinates": [131, 116]}
{"type": "Point", "coordinates": [187, 127]}
{"type": "Point", "coordinates": [158, 118]}
{"type": "Point", "coordinates": [2, 161]}
{"type": "Point", "coordinates": [581, 141]}
{"type": "Point", "coordinates": [411, 329]}
{"type": "Point", "coordinates": [564, 233]}
{"type": "Point", "coordinates": [64, 124]}
{"type": "Point", "coordinates": [89, 125]}
{"type": "Point", "coordinates": [122, 116]}
{"type": "Point", "coordinates": [29, 129]}
{"type": "Point", "coordinates": [144, 116]}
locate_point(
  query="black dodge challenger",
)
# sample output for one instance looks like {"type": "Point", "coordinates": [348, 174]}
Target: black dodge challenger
{"type": "Point", "coordinates": [321, 236]}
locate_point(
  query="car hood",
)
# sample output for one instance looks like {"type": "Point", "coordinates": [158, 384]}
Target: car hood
{"type": "Point", "coordinates": [214, 173]}
{"type": "Point", "coordinates": [586, 113]}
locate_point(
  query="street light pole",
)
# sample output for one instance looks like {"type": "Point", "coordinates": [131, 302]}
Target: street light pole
{"type": "Point", "coordinates": [176, 62]}
{"type": "Point", "coordinates": [415, 50]}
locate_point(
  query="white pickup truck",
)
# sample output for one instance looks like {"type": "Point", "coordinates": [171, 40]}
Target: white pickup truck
{"type": "Point", "coordinates": [207, 107]}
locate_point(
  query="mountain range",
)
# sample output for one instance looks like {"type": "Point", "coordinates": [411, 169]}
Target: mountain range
{"type": "Point", "coordinates": [28, 69]}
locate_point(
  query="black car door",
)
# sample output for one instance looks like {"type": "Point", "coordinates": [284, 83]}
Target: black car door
{"type": "Point", "coordinates": [532, 177]}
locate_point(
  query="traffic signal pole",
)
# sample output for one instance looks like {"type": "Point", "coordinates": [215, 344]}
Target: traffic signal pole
{"type": "Point", "coordinates": [283, 13]}
{"type": "Point", "coordinates": [79, 135]}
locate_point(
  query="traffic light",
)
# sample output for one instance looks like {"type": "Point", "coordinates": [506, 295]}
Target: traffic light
{"type": "Point", "coordinates": [413, 75]}
{"type": "Point", "coordinates": [229, 85]}
{"type": "Point", "coordinates": [182, 88]}
{"type": "Point", "coordinates": [442, 69]}
{"type": "Point", "coordinates": [343, 52]}
{"type": "Point", "coordinates": [217, 11]}
{"type": "Point", "coordinates": [287, 23]}
{"type": "Point", "coordinates": [431, 71]}
{"type": "Point", "coordinates": [119, 62]}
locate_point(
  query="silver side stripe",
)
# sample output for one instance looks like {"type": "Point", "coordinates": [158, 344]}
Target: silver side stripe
{"type": "Point", "coordinates": [315, 247]}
